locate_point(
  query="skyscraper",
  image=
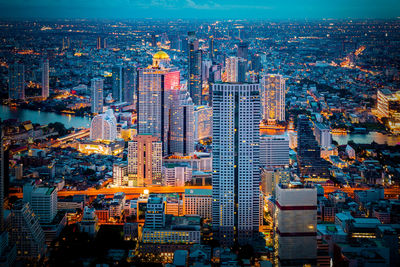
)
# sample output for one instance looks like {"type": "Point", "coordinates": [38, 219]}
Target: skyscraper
{"type": "Point", "coordinates": [43, 202]}
{"type": "Point", "coordinates": [235, 69]}
{"type": "Point", "coordinates": [45, 78]}
{"type": "Point", "coordinates": [104, 126]}
{"type": "Point", "coordinates": [181, 137]}
{"type": "Point", "coordinates": [144, 161]}
{"type": "Point", "coordinates": [194, 69]}
{"type": "Point", "coordinates": [236, 173]}
{"type": "Point", "coordinates": [155, 84]}
{"type": "Point", "coordinates": [123, 83]}
{"type": "Point", "coordinates": [295, 225]}
{"type": "Point", "coordinates": [97, 95]}
{"type": "Point", "coordinates": [16, 81]}
{"type": "Point", "coordinates": [243, 50]}
{"type": "Point", "coordinates": [273, 98]}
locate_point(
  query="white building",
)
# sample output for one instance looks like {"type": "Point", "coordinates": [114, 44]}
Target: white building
{"type": "Point", "coordinates": [97, 95]}
{"type": "Point", "coordinates": [232, 69]}
{"type": "Point", "coordinates": [176, 174]}
{"type": "Point", "coordinates": [274, 151]}
{"type": "Point", "coordinates": [104, 126]}
{"type": "Point", "coordinates": [120, 172]}
{"type": "Point", "coordinates": [236, 172]}
{"type": "Point", "coordinates": [43, 202]}
{"type": "Point", "coordinates": [45, 78]}
{"type": "Point", "coordinates": [295, 224]}
{"type": "Point", "coordinates": [273, 98]}
{"type": "Point", "coordinates": [323, 135]}
{"type": "Point", "coordinates": [198, 202]}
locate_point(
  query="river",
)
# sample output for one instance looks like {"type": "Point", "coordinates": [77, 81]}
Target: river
{"type": "Point", "coordinates": [43, 117]}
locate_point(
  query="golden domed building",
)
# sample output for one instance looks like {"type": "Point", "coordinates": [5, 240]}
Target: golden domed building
{"type": "Point", "coordinates": [161, 59]}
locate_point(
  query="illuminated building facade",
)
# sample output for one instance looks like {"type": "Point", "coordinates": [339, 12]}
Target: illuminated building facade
{"type": "Point", "coordinates": [198, 202]}
{"type": "Point", "coordinates": [295, 225]}
{"type": "Point", "coordinates": [194, 69]}
{"type": "Point", "coordinates": [104, 126]}
{"type": "Point", "coordinates": [155, 84]}
{"type": "Point", "coordinates": [273, 98]}
{"type": "Point", "coordinates": [120, 172]}
{"type": "Point", "coordinates": [388, 106]}
{"type": "Point", "coordinates": [232, 69]}
{"type": "Point", "coordinates": [45, 78]}
{"type": "Point", "coordinates": [97, 95]}
{"type": "Point", "coordinates": [202, 122]}
{"type": "Point", "coordinates": [176, 174]}
{"type": "Point", "coordinates": [144, 160]}
{"type": "Point", "coordinates": [236, 172]}
{"type": "Point", "coordinates": [323, 135]}
{"type": "Point", "coordinates": [16, 89]}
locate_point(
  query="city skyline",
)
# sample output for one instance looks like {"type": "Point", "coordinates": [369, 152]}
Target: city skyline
{"type": "Point", "coordinates": [201, 9]}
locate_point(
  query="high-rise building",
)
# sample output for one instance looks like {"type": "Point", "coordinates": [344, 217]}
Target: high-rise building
{"type": "Point", "coordinates": [323, 135]}
{"type": "Point", "coordinates": [388, 106]}
{"type": "Point", "coordinates": [104, 126]}
{"type": "Point", "coordinates": [273, 98]}
{"type": "Point", "coordinates": [295, 225]}
{"type": "Point", "coordinates": [194, 69]}
{"type": "Point", "coordinates": [309, 159]}
{"type": "Point", "coordinates": [175, 174]}
{"type": "Point", "coordinates": [26, 232]}
{"type": "Point", "coordinates": [232, 69]}
{"type": "Point", "coordinates": [155, 84]}
{"type": "Point", "coordinates": [274, 151]}
{"type": "Point", "coordinates": [211, 47]}
{"type": "Point", "coordinates": [97, 95]}
{"type": "Point", "coordinates": [181, 140]}
{"type": "Point", "coordinates": [123, 83]}
{"type": "Point", "coordinates": [155, 214]}
{"type": "Point", "coordinates": [16, 84]}
{"type": "Point", "coordinates": [144, 160]}
{"type": "Point", "coordinates": [236, 172]}
{"type": "Point", "coordinates": [243, 50]}
{"type": "Point", "coordinates": [45, 78]}
{"type": "Point", "coordinates": [120, 171]}
{"type": "Point", "coordinates": [43, 202]}
{"type": "Point", "coordinates": [202, 122]}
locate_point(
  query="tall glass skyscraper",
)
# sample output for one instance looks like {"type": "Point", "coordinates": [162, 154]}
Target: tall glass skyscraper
{"type": "Point", "coordinates": [97, 95]}
{"type": "Point", "coordinates": [194, 68]}
{"type": "Point", "coordinates": [16, 81]}
{"type": "Point", "coordinates": [45, 78]}
{"type": "Point", "coordinates": [123, 83]}
{"type": "Point", "coordinates": [236, 173]}
{"type": "Point", "coordinates": [155, 84]}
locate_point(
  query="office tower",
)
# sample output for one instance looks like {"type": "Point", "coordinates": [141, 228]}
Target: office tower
{"type": "Point", "coordinates": [211, 47]}
{"type": "Point", "coordinates": [274, 151]}
{"type": "Point", "coordinates": [16, 81]}
{"type": "Point", "coordinates": [232, 69]}
{"type": "Point", "coordinates": [120, 171]}
{"type": "Point", "coordinates": [104, 126]}
{"type": "Point", "coordinates": [144, 160]}
{"type": "Point", "coordinates": [181, 141]}
{"type": "Point", "coordinates": [309, 159]}
{"type": "Point", "coordinates": [26, 232]}
{"type": "Point", "coordinates": [123, 83]}
{"type": "Point", "coordinates": [176, 174]}
{"type": "Point", "coordinates": [155, 214]}
{"type": "Point", "coordinates": [323, 135]}
{"type": "Point", "coordinates": [98, 42]}
{"type": "Point", "coordinates": [270, 177]}
{"type": "Point", "coordinates": [45, 78]}
{"type": "Point", "coordinates": [155, 84]}
{"type": "Point", "coordinates": [43, 202]}
{"type": "Point", "coordinates": [236, 173]}
{"type": "Point", "coordinates": [198, 202]}
{"type": "Point", "coordinates": [256, 65]}
{"type": "Point", "coordinates": [202, 122]}
{"type": "Point", "coordinates": [153, 40]}
{"type": "Point", "coordinates": [194, 69]}
{"type": "Point", "coordinates": [273, 98]}
{"type": "Point", "coordinates": [242, 70]}
{"type": "Point", "coordinates": [295, 225]}
{"type": "Point", "coordinates": [97, 95]}
{"type": "Point", "coordinates": [243, 50]}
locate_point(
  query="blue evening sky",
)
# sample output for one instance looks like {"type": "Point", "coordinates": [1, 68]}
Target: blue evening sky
{"type": "Point", "coordinates": [245, 9]}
